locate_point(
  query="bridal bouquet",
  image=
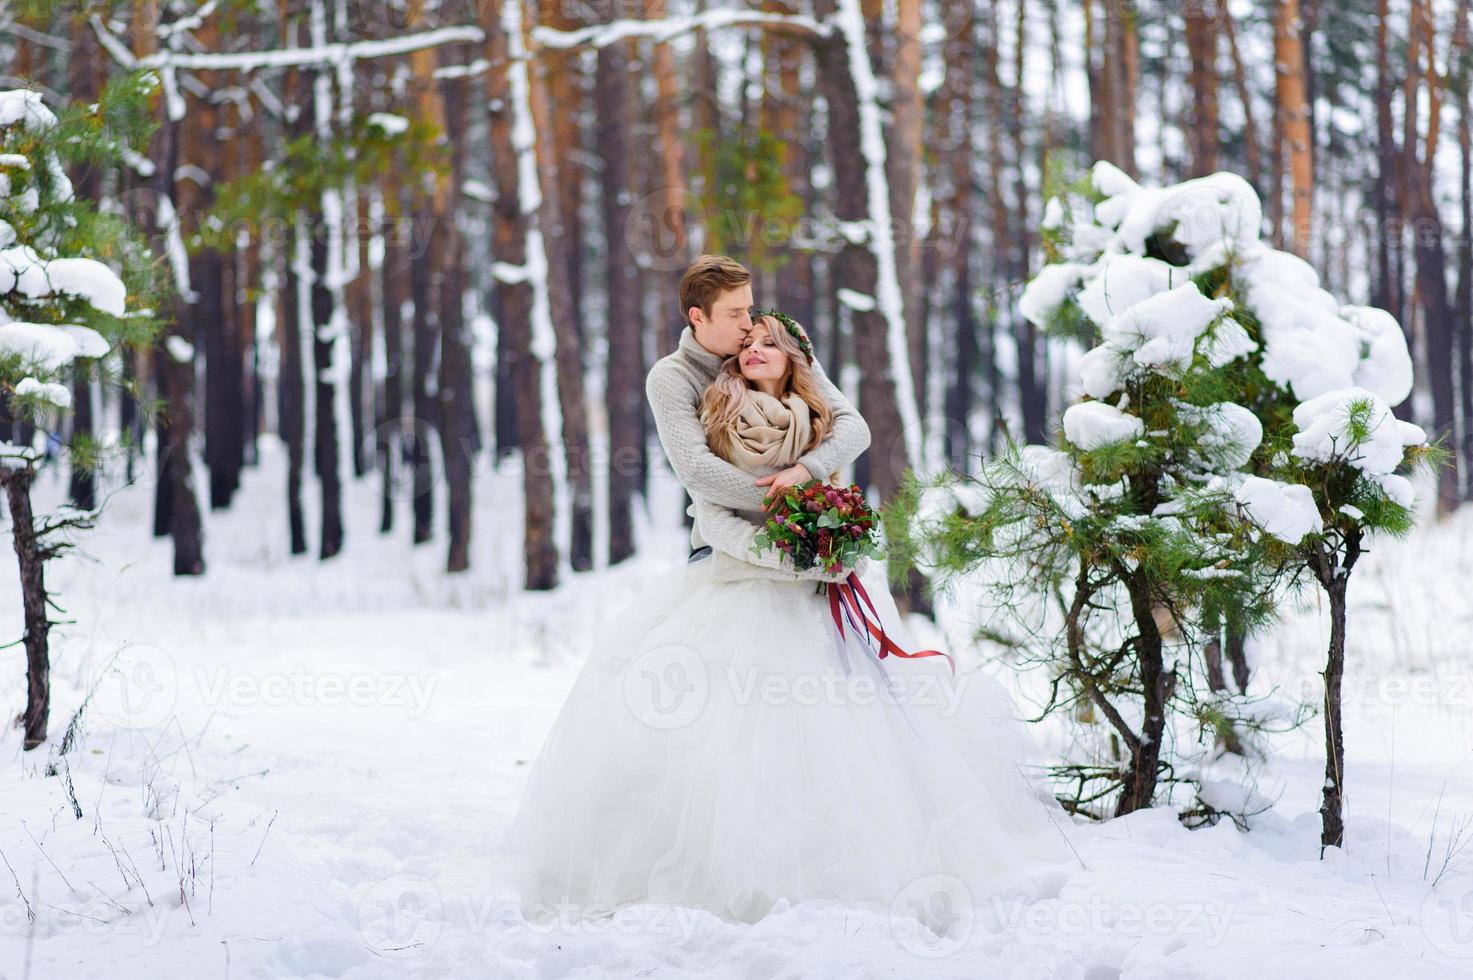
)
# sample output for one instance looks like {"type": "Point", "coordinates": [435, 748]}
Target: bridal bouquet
{"type": "Point", "coordinates": [821, 526]}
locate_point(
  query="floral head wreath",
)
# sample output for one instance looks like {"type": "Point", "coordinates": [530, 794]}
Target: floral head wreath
{"type": "Point", "coordinates": [796, 331]}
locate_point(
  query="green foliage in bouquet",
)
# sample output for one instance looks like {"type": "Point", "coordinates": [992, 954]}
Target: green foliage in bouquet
{"type": "Point", "coordinates": [821, 526]}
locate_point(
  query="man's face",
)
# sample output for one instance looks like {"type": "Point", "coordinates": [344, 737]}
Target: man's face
{"type": "Point", "coordinates": [727, 325]}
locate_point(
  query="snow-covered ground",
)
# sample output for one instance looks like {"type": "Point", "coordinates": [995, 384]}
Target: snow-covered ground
{"type": "Point", "coordinates": [296, 769]}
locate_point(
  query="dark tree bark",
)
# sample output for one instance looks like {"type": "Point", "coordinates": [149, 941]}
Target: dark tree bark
{"type": "Point", "coordinates": [956, 122]}
{"type": "Point", "coordinates": [1201, 30]}
{"type": "Point", "coordinates": [1251, 149]}
{"type": "Point", "coordinates": [784, 108]}
{"type": "Point", "coordinates": [360, 330]}
{"type": "Point", "coordinates": [182, 513]}
{"type": "Point", "coordinates": [1032, 378]}
{"type": "Point", "coordinates": [1463, 302]}
{"type": "Point", "coordinates": [176, 509]}
{"type": "Point", "coordinates": [902, 165]}
{"type": "Point", "coordinates": [1333, 571]}
{"type": "Point", "coordinates": [84, 81]}
{"type": "Point", "coordinates": [1427, 244]}
{"type": "Point", "coordinates": [425, 416]}
{"type": "Point", "coordinates": [32, 567]}
{"type": "Point", "coordinates": [209, 320]}
{"type": "Point", "coordinates": [505, 427]}
{"type": "Point", "coordinates": [389, 427]}
{"type": "Point", "coordinates": [325, 448]}
{"type": "Point", "coordinates": [291, 390]}
{"type": "Point", "coordinates": [565, 322]}
{"type": "Point", "coordinates": [459, 435]}
{"type": "Point", "coordinates": [624, 394]}
{"type": "Point", "coordinates": [509, 246]}
{"type": "Point", "coordinates": [855, 268]}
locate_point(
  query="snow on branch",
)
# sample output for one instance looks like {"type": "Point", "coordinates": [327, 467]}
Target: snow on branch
{"type": "Point", "coordinates": [337, 52]}
{"type": "Point", "coordinates": [667, 28]}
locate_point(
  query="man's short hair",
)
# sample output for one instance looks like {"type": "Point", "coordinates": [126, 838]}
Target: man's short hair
{"type": "Point", "coordinates": [708, 277]}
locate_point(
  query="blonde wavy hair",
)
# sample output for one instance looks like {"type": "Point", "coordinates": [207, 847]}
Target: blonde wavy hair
{"type": "Point", "coordinates": [722, 400]}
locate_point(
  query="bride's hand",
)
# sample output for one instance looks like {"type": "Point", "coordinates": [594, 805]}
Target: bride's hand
{"type": "Point", "coordinates": [780, 481]}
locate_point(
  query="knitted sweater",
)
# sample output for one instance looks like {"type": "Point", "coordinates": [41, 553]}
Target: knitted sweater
{"type": "Point", "coordinates": [727, 504]}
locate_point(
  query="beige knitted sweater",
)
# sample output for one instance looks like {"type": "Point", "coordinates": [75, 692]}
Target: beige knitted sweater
{"type": "Point", "coordinates": [726, 504]}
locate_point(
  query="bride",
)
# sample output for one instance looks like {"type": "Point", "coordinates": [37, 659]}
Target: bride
{"type": "Point", "coordinates": [725, 747]}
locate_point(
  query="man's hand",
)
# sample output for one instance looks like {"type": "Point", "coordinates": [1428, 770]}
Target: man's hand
{"type": "Point", "coordinates": [779, 482]}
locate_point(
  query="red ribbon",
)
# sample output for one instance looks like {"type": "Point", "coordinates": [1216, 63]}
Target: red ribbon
{"type": "Point", "coordinates": [845, 600]}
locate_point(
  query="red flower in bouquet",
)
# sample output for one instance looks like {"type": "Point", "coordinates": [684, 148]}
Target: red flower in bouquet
{"type": "Point", "coordinates": [821, 526]}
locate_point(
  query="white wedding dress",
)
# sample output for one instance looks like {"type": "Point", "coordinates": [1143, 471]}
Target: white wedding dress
{"type": "Point", "coordinates": [722, 749]}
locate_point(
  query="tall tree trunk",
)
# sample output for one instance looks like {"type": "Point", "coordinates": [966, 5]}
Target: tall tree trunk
{"type": "Point", "coordinates": [565, 319]}
{"type": "Point", "coordinates": [1293, 120]}
{"type": "Point", "coordinates": [360, 327]}
{"type": "Point", "coordinates": [903, 163]}
{"type": "Point", "coordinates": [783, 106]}
{"type": "Point", "coordinates": [459, 435]}
{"type": "Point", "coordinates": [1387, 287]}
{"type": "Point", "coordinates": [1462, 66]}
{"type": "Point", "coordinates": [1427, 241]}
{"type": "Point", "coordinates": [1002, 263]}
{"type": "Point", "coordinates": [855, 267]}
{"type": "Point", "coordinates": [565, 80]}
{"type": "Point", "coordinates": [291, 395]}
{"type": "Point", "coordinates": [509, 245]}
{"type": "Point", "coordinates": [1201, 29]}
{"type": "Point", "coordinates": [1251, 148]}
{"type": "Point", "coordinates": [424, 263]}
{"type": "Point", "coordinates": [292, 304]}
{"type": "Point", "coordinates": [624, 390]}
{"type": "Point", "coordinates": [1119, 76]}
{"type": "Point", "coordinates": [84, 81]}
{"type": "Point", "coordinates": [176, 508]}
{"type": "Point", "coordinates": [955, 126]}
{"type": "Point", "coordinates": [326, 323]}
{"type": "Point", "coordinates": [670, 247]}
{"type": "Point", "coordinates": [389, 422]}
{"type": "Point", "coordinates": [248, 286]}
{"type": "Point", "coordinates": [1032, 377]}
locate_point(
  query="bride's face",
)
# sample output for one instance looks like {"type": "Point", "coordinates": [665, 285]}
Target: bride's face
{"type": "Point", "coordinates": [760, 357]}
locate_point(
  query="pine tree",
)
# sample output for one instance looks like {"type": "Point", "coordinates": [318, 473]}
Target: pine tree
{"type": "Point", "coordinates": [76, 286]}
{"type": "Point", "coordinates": [1235, 438]}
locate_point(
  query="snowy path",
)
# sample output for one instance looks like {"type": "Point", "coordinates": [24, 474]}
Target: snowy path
{"type": "Point", "coordinates": [329, 752]}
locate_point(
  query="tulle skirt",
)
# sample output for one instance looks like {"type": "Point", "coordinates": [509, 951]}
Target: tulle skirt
{"type": "Point", "coordinates": [723, 748]}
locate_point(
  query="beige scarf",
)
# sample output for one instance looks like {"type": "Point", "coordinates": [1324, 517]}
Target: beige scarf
{"type": "Point", "coordinates": [767, 432]}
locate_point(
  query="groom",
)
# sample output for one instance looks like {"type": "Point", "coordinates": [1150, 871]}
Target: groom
{"type": "Point", "coordinates": [716, 301]}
